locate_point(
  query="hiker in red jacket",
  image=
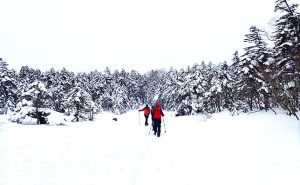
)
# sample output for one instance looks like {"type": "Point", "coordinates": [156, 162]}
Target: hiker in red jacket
{"type": "Point", "coordinates": [146, 114]}
{"type": "Point", "coordinates": [156, 114]}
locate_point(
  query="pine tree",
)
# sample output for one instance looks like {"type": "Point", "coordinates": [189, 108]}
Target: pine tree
{"type": "Point", "coordinates": [256, 58]}
{"type": "Point", "coordinates": [53, 82]}
{"type": "Point", "coordinates": [227, 85]}
{"type": "Point", "coordinates": [8, 88]}
{"type": "Point", "coordinates": [151, 86]}
{"type": "Point", "coordinates": [105, 99]}
{"type": "Point", "coordinates": [238, 78]}
{"type": "Point", "coordinates": [119, 96]}
{"type": "Point", "coordinates": [134, 83]}
{"type": "Point", "coordinates": [287, 57]}
{"type": "Point", "coordinates": [78, 103]}
{"type": "Point", "coordinates": [35, 97]}
{"type": "Point", "coordinates": [169, 89]}
{"type": "Point", "coordinates": [95, 86]}
{"type": "Point", "coordinates": [251, 73]}
{"type": "Point", "coordinates": [231, 92]}
{"type": "Point", "coordinates": [189, 99]}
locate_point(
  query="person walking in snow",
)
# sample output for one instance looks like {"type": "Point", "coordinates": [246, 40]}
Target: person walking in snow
{"type": "Point", "coordinates": [146, 114]}
{"type": "Point", "coordinates": [156, 115]}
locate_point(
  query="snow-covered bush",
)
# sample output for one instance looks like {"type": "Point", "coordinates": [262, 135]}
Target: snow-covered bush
{"type": "Point", "coordinates": [50, 117]}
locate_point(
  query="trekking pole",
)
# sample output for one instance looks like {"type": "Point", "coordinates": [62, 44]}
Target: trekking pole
{"type": "Point", "coordinates": [164, 125]}
{"type": "Point", "coordinates": [150, 128]}
{"type": "Point", "coordinates": [139, 118]}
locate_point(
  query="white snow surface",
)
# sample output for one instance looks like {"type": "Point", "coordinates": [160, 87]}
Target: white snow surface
{"type": "Point", "coordinates": [250, 149]}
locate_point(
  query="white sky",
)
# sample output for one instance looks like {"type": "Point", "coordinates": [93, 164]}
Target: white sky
{"type": "Point", "coordinates": [84, 35]}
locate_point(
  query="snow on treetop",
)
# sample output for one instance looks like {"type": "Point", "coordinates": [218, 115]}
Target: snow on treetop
{"type": "Point", "coordinates": [39, 85]}
{"type": "Point", "coordinates": [245, 70]}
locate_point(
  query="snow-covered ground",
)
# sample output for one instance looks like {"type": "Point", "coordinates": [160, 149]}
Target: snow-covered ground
{"type": "Point", "coordinates": [249, 149]}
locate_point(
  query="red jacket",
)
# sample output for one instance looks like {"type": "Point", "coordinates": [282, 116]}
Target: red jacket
{"type": "Point", "coordinates": [146, 110]}
{"type": "Point", "coordinates": [157, 113]}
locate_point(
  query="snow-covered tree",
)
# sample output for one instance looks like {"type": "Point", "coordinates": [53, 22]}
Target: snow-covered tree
{"type": "Point", "coordinates": [119, 96]}
{"type": "Point", "coordinates": [192, 84]}
{"type": "Point", "coordinates": [55, 85]}
{"type": "Point", "coordinates": [105, 99]}
{"type": "Point", "coordinates": [8, 88]}
{"type": "Point", "coordinates": [95, 86]}
{"type": "Point", "coordinates": [79, 103]}
{"type": "Point", "coordinates": [134, 83]}
{"type": "Point", "coordinates": [34, 97]}
{"type": "Point", "coordinates": [151, 85]}
{"type": "Point", "coordinates": [169, 89]}
{"type": "Point", "coordinates": [287, 57]}
{"type": "Point", "coordinates": [256, 60]}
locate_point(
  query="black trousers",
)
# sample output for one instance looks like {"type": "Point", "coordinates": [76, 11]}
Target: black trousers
{"type": "Point", "coordinates": [157, 126]}
{"type": "Point", "coordinates": [146, 119]}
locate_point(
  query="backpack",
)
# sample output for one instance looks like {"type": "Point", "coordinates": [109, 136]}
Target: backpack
{"type": "Point", "coordinates": [156, 113]}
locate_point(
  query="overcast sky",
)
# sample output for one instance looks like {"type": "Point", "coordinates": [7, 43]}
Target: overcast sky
{"type": "Point", "coordinates": [86, 35]}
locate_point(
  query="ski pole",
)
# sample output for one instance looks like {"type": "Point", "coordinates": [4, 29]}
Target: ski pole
{"type": "Point", "coordinates": [139, 118]}
{"type": "Point", "coordinates": [150, 128]}
{"type": "Point", "coordinates": [164, 125]}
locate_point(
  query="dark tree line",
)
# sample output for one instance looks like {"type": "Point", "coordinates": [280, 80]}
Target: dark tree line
{"type": "Point", "coordinates": [264, 77]}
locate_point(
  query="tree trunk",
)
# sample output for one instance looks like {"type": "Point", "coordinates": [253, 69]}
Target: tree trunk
{"type": "Point", "coordinates": [38, 116]}
{"type": "Point", "coordinates": [77, 113]}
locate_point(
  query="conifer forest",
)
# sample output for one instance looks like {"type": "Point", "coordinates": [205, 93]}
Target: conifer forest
{"type": "Point", "coordinates": [265, 76]}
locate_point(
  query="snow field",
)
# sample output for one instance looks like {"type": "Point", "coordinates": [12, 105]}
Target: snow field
{"type": "Point", "coordinates": [249, 149]}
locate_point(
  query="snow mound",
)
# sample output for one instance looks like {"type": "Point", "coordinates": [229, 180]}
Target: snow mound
{"type": "Point", "coordinates": [52, 118]}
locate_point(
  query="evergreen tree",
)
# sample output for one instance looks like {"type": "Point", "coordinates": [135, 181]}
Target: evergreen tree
{"type": "Point", "coordinates": [106, 91]}
{"type": "Point", "coordinates": [78, 103]}
{"type": "Point", "coordinates": [169, 89]}
{"type": "Point", "coordinates": [256, 59]}
{"type": "Point", "coordinates": [286, 65]}
{"type": "Point", "coordinates": [134, 83]}
{"type": "Point", "coordinates": [120, 99]}
{"type": "Point", "coordinates": [8, 88]}
{"type": "Point", "coordinates": [151, 86]}
{"type": "Point", "coordinates": [95, 86]}
{"type": "Point", "coordinates": [34, 97]}
{"type": "Point", "coordinates": [238, 72]}
{"type": "Point", "coordinates": [190, 94]}
{"type": "Point", "coordinates": [53, 82]}
{"type": "Point", "coordinates": [227, 86]}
